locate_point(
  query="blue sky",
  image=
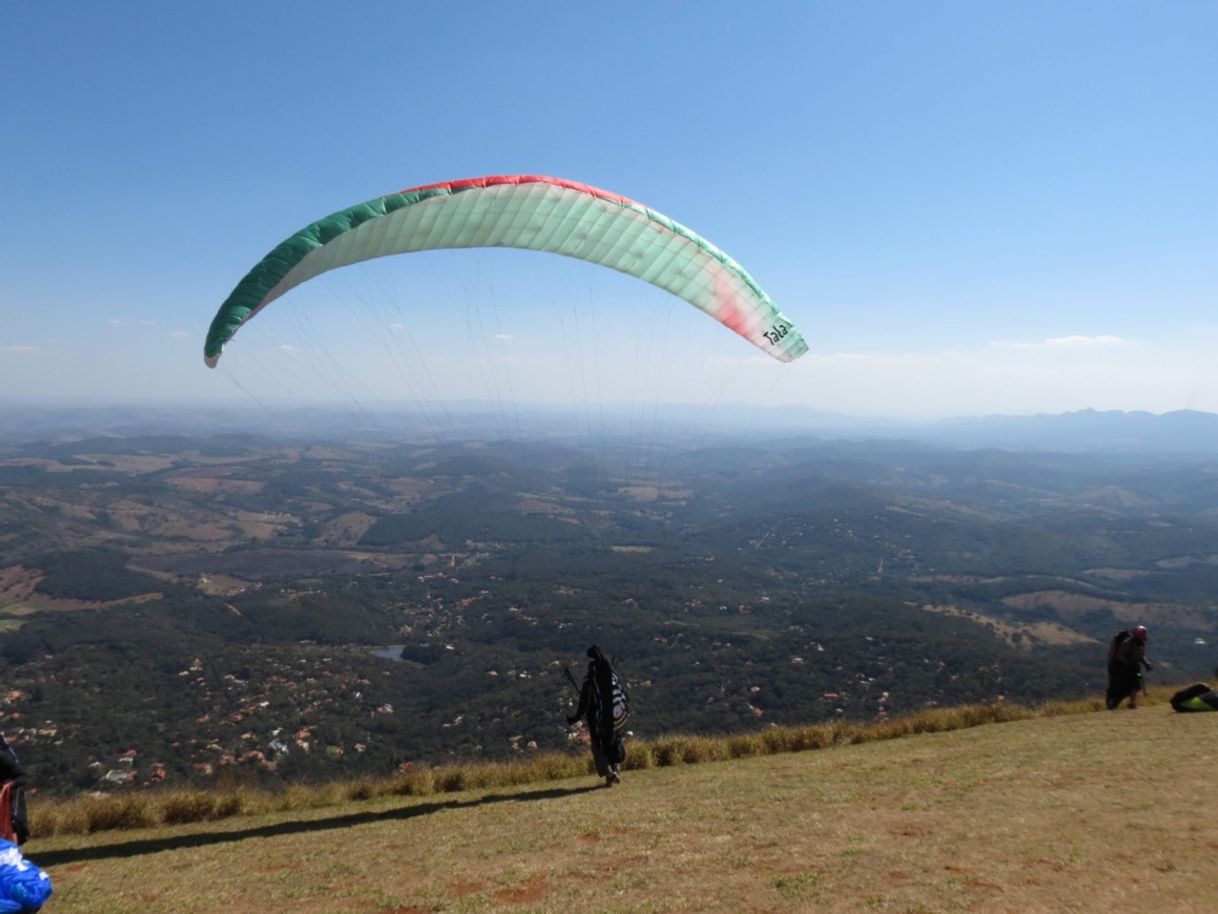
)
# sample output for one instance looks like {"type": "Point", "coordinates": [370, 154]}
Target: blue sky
{"type": "Point", "coordinates": [966, 207]}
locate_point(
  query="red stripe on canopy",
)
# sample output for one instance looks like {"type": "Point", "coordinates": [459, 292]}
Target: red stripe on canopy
{"type": "Point", "coordinates": [495, 180]}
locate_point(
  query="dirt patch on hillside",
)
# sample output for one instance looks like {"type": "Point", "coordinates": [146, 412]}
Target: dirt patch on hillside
{"type": "Point", "coordinates": [262, 525]}
{"type": "Point", "coordinates": [184, 529]}
{"type": "Point", "coordinates": [955, 579]}
{"type": "Point", "coordinates": [17, 583]}
{"type": "Point", "coordinates": [39, 603]}
{"type": "Point", "coordinates": [211, 485]}
{"type": "Point", "coordinates": [538, 506]}
{"type": "Point", "coordinates": [64, 507]}
{"type": "Point", "coordinates": [135, 464]}
{"type": "Point", "coordinates": [646, 493]}
{"type": "Point", "coordinates": [1024, 635]}
{"type": "Point", "coordinates": [1117, 574]}
{"type": "Point", "coordinates": [1184, 561]}
{"type": "Point", "coordinates": [346, 529]}
{"type": "Point", "coordinates": [320, 452]}
{"type": "Point", "coordinates": [1070, 604]}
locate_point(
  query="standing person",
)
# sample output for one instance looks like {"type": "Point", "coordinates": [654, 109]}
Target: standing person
{"type": "Point", "coordinates": [605, 707]}
{"type": "Point", "coordinates": [1126, 660]}
{"type": "Point", "coordinates": [14, 823]}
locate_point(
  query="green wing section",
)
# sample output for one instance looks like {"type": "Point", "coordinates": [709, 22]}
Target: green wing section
{"type": "Point", "coordinates": [519, 211]}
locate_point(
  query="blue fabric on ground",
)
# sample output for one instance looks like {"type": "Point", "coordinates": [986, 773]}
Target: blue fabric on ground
{"type": "Point", "coordinates": [24, 888]}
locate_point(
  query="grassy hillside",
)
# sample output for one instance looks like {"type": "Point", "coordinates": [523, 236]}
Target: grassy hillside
{"type": "Point", "coordinates": [1081, 812]}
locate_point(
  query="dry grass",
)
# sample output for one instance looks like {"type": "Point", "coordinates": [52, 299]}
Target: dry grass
{"type": "Point", "coordinates": [90, 814]}
{"type": "Point", "coordinates": [1071, 812]}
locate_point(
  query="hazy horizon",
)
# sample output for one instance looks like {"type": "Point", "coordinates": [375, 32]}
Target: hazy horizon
{"type": "Point", "coordinates": [609, 426]}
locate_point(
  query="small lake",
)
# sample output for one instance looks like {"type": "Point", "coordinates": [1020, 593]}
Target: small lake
{"type": "Point", "coordinates": [389, 651]}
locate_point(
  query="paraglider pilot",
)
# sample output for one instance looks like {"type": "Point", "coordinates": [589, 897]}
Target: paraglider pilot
{"type": "Point", "coordinates": [1126, 660]}
{"type": "Point", "coordinates": [604, 707]}
{"type": "Point", "coordinates": [14, 823]}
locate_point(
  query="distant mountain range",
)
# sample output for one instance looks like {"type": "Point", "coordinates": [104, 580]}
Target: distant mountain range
{"type": "Point", "coordinates": [1082, 431]}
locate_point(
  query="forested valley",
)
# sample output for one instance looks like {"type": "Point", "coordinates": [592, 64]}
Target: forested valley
{"type": "Point", "coordinates": [241, 609]}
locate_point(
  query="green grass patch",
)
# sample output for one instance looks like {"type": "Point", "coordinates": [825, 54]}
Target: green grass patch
{"type": "Point", "coordinates": [800, 885]}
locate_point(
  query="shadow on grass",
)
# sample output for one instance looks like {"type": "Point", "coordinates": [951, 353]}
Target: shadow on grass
{"type": "Point", "coordinates": [179, 842]}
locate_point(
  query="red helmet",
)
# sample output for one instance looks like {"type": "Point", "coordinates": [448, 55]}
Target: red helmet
{"type": "Point", "coordinates": [1139, 632]}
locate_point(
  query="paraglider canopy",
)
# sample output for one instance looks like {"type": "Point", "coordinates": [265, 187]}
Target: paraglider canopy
{"type": "Point", "coordinates": [531, 212]}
